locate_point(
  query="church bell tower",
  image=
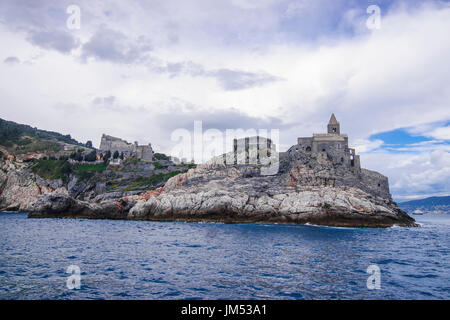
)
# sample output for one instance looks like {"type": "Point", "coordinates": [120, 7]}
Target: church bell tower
{"type": "Point", "coordinates": [333, 125]}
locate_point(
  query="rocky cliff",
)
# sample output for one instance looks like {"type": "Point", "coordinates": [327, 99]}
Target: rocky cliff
{"type": "Point", "coordinates": [305, 190]}
{"type": "Point", "coordinates": [19, 187]}
{"type": "Point", "coordinates": [23, 182]}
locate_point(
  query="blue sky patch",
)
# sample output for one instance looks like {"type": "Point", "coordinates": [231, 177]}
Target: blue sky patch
{"type": "Point", "coordinates": [400, 137]}
{"type": "Point", "coordinates": [404, 140]}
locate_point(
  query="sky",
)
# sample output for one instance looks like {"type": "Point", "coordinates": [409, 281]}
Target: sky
{"type": "Point", "coordinates": [141, 69]}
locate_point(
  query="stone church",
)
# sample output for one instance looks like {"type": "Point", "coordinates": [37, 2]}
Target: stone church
{"type": "Point", "coordinates": [333, 143]}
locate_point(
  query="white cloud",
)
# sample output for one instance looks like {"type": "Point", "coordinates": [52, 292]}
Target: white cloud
{"type": "Point", "coordinates": [392, 78]}
{"type": "Point", "coordinates": [440, 133]}
{"type": "Point", "coordinates": [363, 145]}
{"type": "Point", "coordinates": [413, 175]}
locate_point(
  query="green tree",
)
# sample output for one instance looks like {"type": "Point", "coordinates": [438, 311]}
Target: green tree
{"type": "Point", "coordinates": [66, 169]}
{"type": "Point", "coordinates": [77, 156]}
{"type": "Point", "coordinates": [161, 156]}
{"type": "Point", "coordinates": [106, 156]}
{"type": "Point", "coordinates": [91, 156]}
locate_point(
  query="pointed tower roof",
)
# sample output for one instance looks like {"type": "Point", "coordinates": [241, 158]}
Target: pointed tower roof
{"type": "Point", "coordinates": [333, 119]}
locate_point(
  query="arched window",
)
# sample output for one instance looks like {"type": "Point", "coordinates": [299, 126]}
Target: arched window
{"type": "Point", "coordinates": [323, 150]}
{"type": "Point", "coordinates": [308, 149]}
{"type": "Point", "coordinates": [342, 160]}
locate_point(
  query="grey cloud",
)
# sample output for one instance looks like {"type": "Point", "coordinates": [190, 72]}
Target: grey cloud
{"type": "Point", "coordinates": [228, 79]}
{"type": "Point", "coordinates": [110, 100]}
{"type": "Point", "coordinates": [11, 60]}
{"type": "Point", "coordinates": [164, 124]}
{"type": "Point", "coordinates": [220, 119]}
{"type": "Point", "coordinates": [58, 40]}
{"type": "Point", "coordinates": [113, 46]}
{"type": "Point", "coordinates": [150, 123]}
{"type": "Point", "coordinates": [238, 80]}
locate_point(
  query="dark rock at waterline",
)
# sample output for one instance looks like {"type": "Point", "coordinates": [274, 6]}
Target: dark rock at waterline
{"type": "Point", "coordinates": [63, 206]}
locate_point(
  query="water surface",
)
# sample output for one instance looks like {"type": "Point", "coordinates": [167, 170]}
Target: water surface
{"type": "Point", "coordinates": [176, 260]}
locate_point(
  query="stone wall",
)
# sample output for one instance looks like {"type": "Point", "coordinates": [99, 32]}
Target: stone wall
{"type": "Point", "coordinates": [321, 169]}
{"type": "Point", "coordinates": [144, 152]}
{"type": "Point", "coordinates": [375, 183]}
{"type": "Point", "coordinates": [112, 144]}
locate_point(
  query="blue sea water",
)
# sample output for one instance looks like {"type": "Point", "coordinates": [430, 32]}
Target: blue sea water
{"type": "Point", "coordinates": [176, 260]}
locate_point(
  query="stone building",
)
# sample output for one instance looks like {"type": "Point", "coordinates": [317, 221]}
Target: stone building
{"type": "Point", "coordinates": [333, 143]}
{"type": "Point", "coordinates": [324, 159]}
{"type": "Point", "coordinates": [113, 144]}
{"type": "Point", "coordinates": [251, 150]}
{"type": "Point", "coordinates": [334, 146]}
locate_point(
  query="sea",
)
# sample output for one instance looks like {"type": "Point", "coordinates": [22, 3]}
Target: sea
{"type": "Point", "coordinates": [119, 259]}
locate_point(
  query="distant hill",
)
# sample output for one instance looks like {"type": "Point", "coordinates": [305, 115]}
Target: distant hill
{"type": "Point", "coordinates": [20, 138]}
{"type": "Point", "coordinates": [427, 205]}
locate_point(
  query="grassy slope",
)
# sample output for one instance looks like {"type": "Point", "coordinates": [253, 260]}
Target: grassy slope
{"type": "Point", "coordinates": [20, 138]}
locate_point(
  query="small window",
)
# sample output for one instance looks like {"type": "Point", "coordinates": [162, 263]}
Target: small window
{"type": "Point", "coordinates": [379, 185]}
{"type": "Point", "coordinates": [323, 149]}
{"type": "Point", "coordinates": [308, 149]}
{"type": "Point", "coordinates": [342, 160]}
{"type": "Point", "coordinates": [334, 129]}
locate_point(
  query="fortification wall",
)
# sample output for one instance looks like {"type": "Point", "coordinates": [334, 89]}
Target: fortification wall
{"type": "Point", "coordinates": [112, 144]}
{"type": "Point", "coordinates": [375, 183]}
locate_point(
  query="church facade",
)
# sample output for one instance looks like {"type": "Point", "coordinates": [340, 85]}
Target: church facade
{"type": "Point", "coordinates": [333, 144]}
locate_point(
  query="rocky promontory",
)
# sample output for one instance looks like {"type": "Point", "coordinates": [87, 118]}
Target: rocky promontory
{"type": "Point", "coordinates": [305, 190]}
{"type": "Point", "coordinates": [318, 181]}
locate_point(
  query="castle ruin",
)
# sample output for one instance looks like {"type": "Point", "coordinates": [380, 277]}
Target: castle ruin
{"type": "Point", "coordinates": [113, 144]}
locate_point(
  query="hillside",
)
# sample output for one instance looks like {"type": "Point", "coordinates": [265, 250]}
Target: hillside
{"type": "Point", "coordinates": [19, 138]}
{"type": "Point", "coordinates": [35, 162]}
{"type": "Point", "coordinates": [427, 205]}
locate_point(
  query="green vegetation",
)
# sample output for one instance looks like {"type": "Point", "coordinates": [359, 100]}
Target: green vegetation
{"type": "Point", "coordinates": [88, 171]}
{"type": "Point", "coordinates": [131, 161]}
{"type": "Point", "coordinates": [106, 157]}
{"type": "Point", "coordinates": [38, 146]}
{"type": "Point", "coordinates": [52, 169]}
{"type": "Point", "coordinates": [147, 182]}
{"type": "Point", "coordinates": [161, 156]}
{"type": "Point", "coordinates": [90, 167]}
{"type": "Point", "coordinates": [157, 165]}
{"type": "Point", "coordinates": [24, 141]}
{"type": "Point", "coordinates": [60, 169]}
{"type": "Point", "coordinates": [77, 156]}
{"type": "Point", "coordinates": [91, 156]}
{"type": "Point", "coordinates": [11, 133]}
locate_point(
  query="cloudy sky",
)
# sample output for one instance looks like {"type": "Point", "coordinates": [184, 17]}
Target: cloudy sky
{"type": "Point", "coordinates": [141, 69]}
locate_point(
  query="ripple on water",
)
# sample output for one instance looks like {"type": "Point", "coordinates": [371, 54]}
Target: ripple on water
{"type": "Point", "coordinates": [152, 260]}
